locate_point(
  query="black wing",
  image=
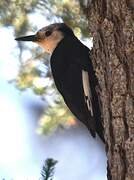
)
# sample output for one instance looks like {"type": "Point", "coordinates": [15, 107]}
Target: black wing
{"type": "Point", "coordinates": [71, 66]}
{"type": "Point", "coordinates": [68, 81]}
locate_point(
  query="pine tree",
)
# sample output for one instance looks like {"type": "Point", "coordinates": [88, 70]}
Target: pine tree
{"type": "Point", "coordinates": [48, 169]}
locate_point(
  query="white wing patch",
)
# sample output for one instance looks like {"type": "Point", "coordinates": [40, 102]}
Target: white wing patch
{"type": "Point", "coordinates": [87, 90]}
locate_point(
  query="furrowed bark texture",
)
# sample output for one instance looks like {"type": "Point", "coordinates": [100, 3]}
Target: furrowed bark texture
{"type": "Point", "coordinates": [112, 27]}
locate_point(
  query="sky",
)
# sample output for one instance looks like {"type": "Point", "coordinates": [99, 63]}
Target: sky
{"type": "Point", "coordinates": [22, 150]}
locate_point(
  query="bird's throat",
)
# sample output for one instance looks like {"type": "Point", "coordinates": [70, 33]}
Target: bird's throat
{"type": "Point", "coordinates": [49, 44]}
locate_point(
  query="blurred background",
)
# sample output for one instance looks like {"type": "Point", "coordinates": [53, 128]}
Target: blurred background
{"type": "Point", "coordinates": [35, 124]}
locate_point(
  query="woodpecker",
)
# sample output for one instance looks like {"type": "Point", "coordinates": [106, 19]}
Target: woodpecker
{"type": "Point", "coordinates": [73, 73]}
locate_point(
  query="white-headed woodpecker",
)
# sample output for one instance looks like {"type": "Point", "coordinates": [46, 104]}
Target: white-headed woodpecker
{"type": "Point", "coordinates": [73, 73]}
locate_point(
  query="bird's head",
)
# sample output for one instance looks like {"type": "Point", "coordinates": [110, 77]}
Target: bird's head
{"type": "Point", "coordinates": [49, 36]}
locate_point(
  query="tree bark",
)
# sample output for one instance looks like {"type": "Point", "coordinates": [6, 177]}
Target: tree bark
{"type": "Point", "coordinates": [111, 26]}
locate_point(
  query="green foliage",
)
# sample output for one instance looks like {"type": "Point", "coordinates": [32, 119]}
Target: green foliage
{"type": "Point", "coordinates": [55, 117]}
{"type": "Point", "coordinates": [30, 76]}
{"type": "Point", "coordinates": [15, 13]}
{"type": "Point", "coordinates": [48, 169]}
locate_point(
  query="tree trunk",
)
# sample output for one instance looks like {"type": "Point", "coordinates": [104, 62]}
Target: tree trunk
{"type": "Point", "coordinates": [112, 29]}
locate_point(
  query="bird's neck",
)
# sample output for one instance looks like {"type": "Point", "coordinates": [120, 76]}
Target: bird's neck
{"type": "Point", "coordinates": [52, 45]}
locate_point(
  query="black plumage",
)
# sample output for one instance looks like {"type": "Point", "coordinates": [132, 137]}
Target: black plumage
{"type": "Point", "coordinates": [68, 60]}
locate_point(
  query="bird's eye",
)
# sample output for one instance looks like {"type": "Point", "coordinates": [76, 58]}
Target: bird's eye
{"type": "Point", "coordinates": [48, 33]}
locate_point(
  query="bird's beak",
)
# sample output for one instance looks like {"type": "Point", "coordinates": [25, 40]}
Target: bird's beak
{"type": "Point", "coordinates": [27, 38]}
